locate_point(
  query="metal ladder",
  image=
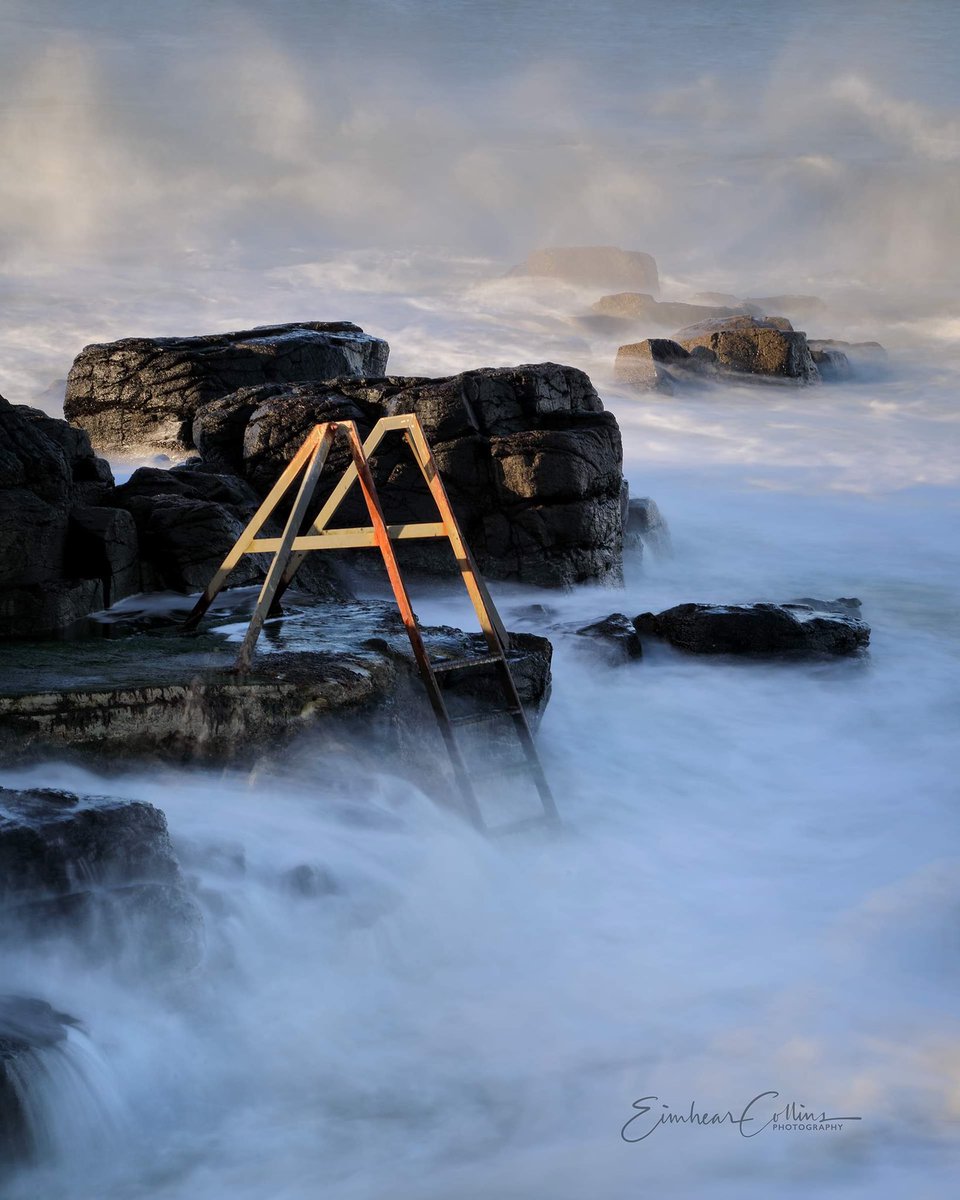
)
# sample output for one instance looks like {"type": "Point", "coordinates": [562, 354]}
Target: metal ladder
{"type": "Point", "coordinates": [291, 547]}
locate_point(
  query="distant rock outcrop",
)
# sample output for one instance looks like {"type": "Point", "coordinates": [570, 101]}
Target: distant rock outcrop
{"type": "Point", "coordinates": [638, 308]}
{"type": "Point", "coordinates": [597, 266]}
{"type": "Point", "coordinates": [771, 347]}
{"type": "Point", "coordinates": [800, 629]}
{"type": "Point", "coordinates": [138, 396]}
{"type": "Point", "coordinates": [744, 347]}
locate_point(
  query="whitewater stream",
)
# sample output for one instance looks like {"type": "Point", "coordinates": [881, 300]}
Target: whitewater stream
{"type": "Point", "coordinates": [755, 889]}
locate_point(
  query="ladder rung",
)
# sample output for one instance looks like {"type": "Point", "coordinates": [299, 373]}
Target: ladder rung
{"type": "Point", "coordinates": [462, 664]}
{"type": "Point", "coordinates": [481, 718]}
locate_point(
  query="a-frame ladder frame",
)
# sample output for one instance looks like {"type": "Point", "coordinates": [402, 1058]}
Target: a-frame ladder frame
{"type": "Point", "coordinates": [291, 547]}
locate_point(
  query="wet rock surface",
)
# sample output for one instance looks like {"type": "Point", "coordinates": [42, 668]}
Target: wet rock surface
{"type": "Point", "coordinates": [798, 629]}
{"type": "Point", "coordinates": [170, 697]}
{"type": "Point", "coordinates": [616, 636]}
{"type": "Point", "coordinates": [530, 459]}
{"type": "Point", "coordinates": [139, 395]}
{"type": "Point", "coordinates": [29, 1029]}
{"type": "Point", "coordinates": [97, 868]}
{"type": "Point", "coordinates": [63, 552]}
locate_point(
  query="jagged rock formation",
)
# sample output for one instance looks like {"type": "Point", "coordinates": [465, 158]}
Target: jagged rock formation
{"type": "Point", "coordinates": [188, 519]}
{"type": "Point", "coordinates": [64, 551]}
{"type": "Point", "coordinates": [529, 457]}
{"type": "Point", "coordinates": [138, 396]}
{"type": "Point", "coordinates": [71, 543]}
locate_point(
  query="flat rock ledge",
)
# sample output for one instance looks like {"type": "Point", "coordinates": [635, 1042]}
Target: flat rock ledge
{"type": "Point", "coordinates": [176, 698]}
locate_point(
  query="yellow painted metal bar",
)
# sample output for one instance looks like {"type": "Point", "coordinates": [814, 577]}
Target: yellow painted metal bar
{"type": "Point", "coordinates": [244, 542]}
{"type": "Point", "coordinates": [490, 622]}
{"type": "Point", "coordinates": [320, 447]}
{"type": "Point", "coordinates": [350, 539]}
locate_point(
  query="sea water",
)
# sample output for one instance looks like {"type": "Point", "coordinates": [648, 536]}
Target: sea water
{"type": "Point", "coordinates": [755, 889]}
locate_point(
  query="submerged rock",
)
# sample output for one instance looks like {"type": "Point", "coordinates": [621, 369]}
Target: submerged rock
{"type": "Point", "coordinates": [617, 635]}
{"type": "Point", "coordinates": [659, 364]}
{"type": "Point", "coordinates": [531, 461]}
{"type": "Point", "coordinates": [602, 266]}
{"type": "Point", "coordinates": [833, 365]}
{"type": "Point", "coordinates": [98, 868]}
{"type": "Point", "coordinates": [29, 1029]}
{"type": "Point", "coordinates": [138, 396]}
{"type": "Point", "coordinates": [645, 526]}
{"type": "Point", "coordinates": [850, 358]}
{"type": "Point", "coordinates": [798, 629]}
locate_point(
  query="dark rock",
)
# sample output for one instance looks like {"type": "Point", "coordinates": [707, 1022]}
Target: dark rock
{"type": "Point", "coordinates": [103, 542]}
{"type": "Point", "coordinates": [139, 395]}
{"type": "Point", "coordinates": [770, 630]}
{"type": "Point", "coordinates": [658, 364]}
{"type": "Point", "coordinates": [617, 634]}
{"type": "Point", "coordinates": [98, 868]}
{"type": "Point", "coordinates": [62, 554]}
{"type": "Point", "coordinates": [636, 307]}
{"type": "Point", "coordinates": [530, 459]}
{"type": "Point", "coordinates": [645, 526]}
{"type": "Point", "coordinates": [187, 521]}
{"type": "Point", "coordinates": [29, 1030]}
{"type": "Point", "coordinates": [770, 348]}
{"type": "Point", "coordinates": [600, 266]}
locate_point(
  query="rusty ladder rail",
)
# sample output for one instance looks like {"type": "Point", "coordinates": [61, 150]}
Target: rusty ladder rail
{"type": "Point", "coordinates": [291, 548]}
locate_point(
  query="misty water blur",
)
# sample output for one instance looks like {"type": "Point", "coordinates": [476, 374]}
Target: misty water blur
{"type": "Point", "coordinates": [756, 887]}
